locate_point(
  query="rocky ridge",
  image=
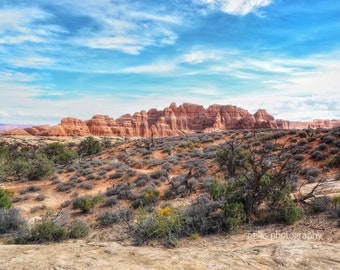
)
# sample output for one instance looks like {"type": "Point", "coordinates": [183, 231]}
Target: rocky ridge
{"type": "Point", "coordinates": [171, 121]}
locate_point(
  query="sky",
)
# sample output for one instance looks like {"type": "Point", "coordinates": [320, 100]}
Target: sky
{"type": "Point", "coordinates": [82, 58]}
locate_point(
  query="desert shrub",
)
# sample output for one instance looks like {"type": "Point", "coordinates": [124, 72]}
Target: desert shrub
{"type": "Point", "coordinates": [131, 172]}
{"type": "Point", "coordinates": [96, 162]}
{"type": "Point", "coordinates": [291, 213]}
{"type": "Point", "coordinates": [47, 231]}
{"type": "Point", "coordinates": [30, 188]}
{"type": "Point", "coordinates": [59, 171]}
{"type": "Point", "coordinates": [207, 182]}
{"type": "Point", "coordinates": [40, 167]}
{"type": "Point", "coordinates": [218, 189]}
{"type": "Point", "coordinates": [10, 220]}
{"type": "Point", "coordinates": [87, 186]}
{"type": "Point", "coordinates": [311, 173]}
{"type": "Point", "coordinates": [41, 197]}
{"type": "Point", "coordinates": [302, 142]}
{"type": "Point", "coordinates": [110, 201]}
{"type": "Point", "coordinates": [77, 229]}
{"type": "Point", "coordinates": [56, 180]}
{"type": "Point", "coordinates": [302, 134]}
{"type": "Point", "coordinates": [335, 200]}
{"type": "Point", "coordinates": [150, 195]}
{"type": "Point", "coordinates": [37, 208]}
{"type": "Point", "coordinates": [64, 186]}
{"type": "Point", "coordinates": [320, 204]}
{"type": "Point", "coordinates": [334, 162]}
{"type": "Point", "coordinates": [89, 146]}
{"type": "Point", "coordinates": [322, 147]}
{"type": "Point", "coordinates": [122, 190]}
{"type": "Point", "coordinates": [207, 139]}
{"type": "Point", "coordinates": [88, 171]}
{"type": "Point", "coordinates": [117, 174]}
{"type": "Point", "coordinates": [58, 153]}
{"type": "Point", "coordinates": [87, 202]}
{"type": "Point", "coordinates": [158, 174]}
{"type": "Point", "coordinates": [102, 171]}
{"type": "Point", "coordinates": [66, 203]}
{"type": "Point", "coordinates": [269, 145]}
{"type": "Point", "coordinates": [5, 198]}
{"type": "Point", "coordinates": [235, 214]}
{"type": "Point", "coordinates": [327, 139]}
{"type": "Point", "coordinates": [299, 157]}
{"type": "Point", "coordinates": [155, 162]}
{"type": "Point", "coordinates": [295, 149]}
{"type": "Point", "coordinates": [318, 155]}
{"type": "Point", "coordinates": [108, 218]}
{"type": "Point", "coordinates": [174, 160]}
{"type": "Point", "coordinates": [204, 217]}
{"type": "Point", "coordinates": [333, 150]}
{"type": "Point", "coordinates": [71, 168]}
{"type": "Point", "coordinates": [165, 224]}
{"type": "Point", "coordinates": [231, 157]}
{"type": "Point", "coordinates": [142, 180]}
{"type": "Point", "coordinates": [100, 177]}
{"type": "Point", "coordinates": [91, 176]}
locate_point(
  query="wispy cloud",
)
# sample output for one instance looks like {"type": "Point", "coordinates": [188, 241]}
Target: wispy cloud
{"type": "Point", "coordinates": [125, 27]}
{"type": "Point", "coordinates": [197, 57]}
{"type": "Point", "coordinates": [153, 68]}
{"type": "Point", "coordinates": [19, 24]}
{"type": "Point", "coordinates": [34, 61]}
{"type": "Point", "coordinates": [238, 7]}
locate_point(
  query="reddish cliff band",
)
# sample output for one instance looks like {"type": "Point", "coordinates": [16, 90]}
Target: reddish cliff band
{"type": "Point", "coordinates": [172, 121]}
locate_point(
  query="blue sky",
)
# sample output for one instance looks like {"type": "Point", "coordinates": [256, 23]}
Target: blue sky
{"type": "Point", "coordinates": [81, 58]}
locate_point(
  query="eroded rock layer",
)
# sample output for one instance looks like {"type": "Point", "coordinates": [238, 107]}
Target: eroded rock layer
{"type": "Point", "coordinates": [171, 121]}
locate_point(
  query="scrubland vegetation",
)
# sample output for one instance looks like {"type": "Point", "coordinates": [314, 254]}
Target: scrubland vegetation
{"type": "Point", "coordinates": [164, 189]}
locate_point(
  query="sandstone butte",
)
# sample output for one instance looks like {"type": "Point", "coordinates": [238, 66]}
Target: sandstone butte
{"type": "Point", "coordinates": [171, 121]}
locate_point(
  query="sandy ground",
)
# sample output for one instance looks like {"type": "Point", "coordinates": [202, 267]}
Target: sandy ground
{"type": "Point", "coordinates": [239, 252]}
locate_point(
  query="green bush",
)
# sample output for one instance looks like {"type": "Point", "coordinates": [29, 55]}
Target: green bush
{"type": "Point", "coordinates": [235, 214]}
{"type": "Point", "coordinates": [218, 189]}
{"type": "Point", "coordinates": [5, 198]}
{"type": "Point", "coordinates": [89, 146]}
{"type": "Point", "coordinates": [87, 202]}
{"type": "Point", "coordinates": [58, 153]}
{"type": "Point", "coordinates": [166, 224]}
{"type": "Point", "coordinates": [47, 231]}
{"type": "Point", "coordinates": [40, 167]}
{"type": "Point", "coordinates": [78, 229]}
{"type": "Point", "coordinates": [291, 213]}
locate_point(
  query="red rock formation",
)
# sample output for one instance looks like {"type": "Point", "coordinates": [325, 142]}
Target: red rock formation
{"type": "Point", "coordinates": [184, 119]}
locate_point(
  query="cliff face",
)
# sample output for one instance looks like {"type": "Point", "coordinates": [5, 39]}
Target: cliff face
{"type": "Point", "coordinates": [172, 121]}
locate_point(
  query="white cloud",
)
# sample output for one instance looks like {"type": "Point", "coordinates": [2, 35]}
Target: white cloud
{"type": "Point", "coordinates": [236, 7]}
{"type": "Point", "coordinates": [137, 25]}
{"type": "Point", "coordinates": [197, 57]}
{"type": "Point", "coordinates": [154, 68]}
{"type": "Point", "coordinates": [34, 61]}
{"type": "Point", "coordinates": [124, 44]}
{"type": "Point", "coordinates": [14, 76]}
{"type": "Point", "coordinates": [17, 25]}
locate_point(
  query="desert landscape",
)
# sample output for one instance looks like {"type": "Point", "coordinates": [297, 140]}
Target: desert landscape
{"type": "Point", "coordinates": [196, 134]}
{"type": "Point", "coordinates": [162, 202]}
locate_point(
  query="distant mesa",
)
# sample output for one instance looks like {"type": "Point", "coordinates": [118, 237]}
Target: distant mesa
{"type": "Point", "coordinates": [171, 121]}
